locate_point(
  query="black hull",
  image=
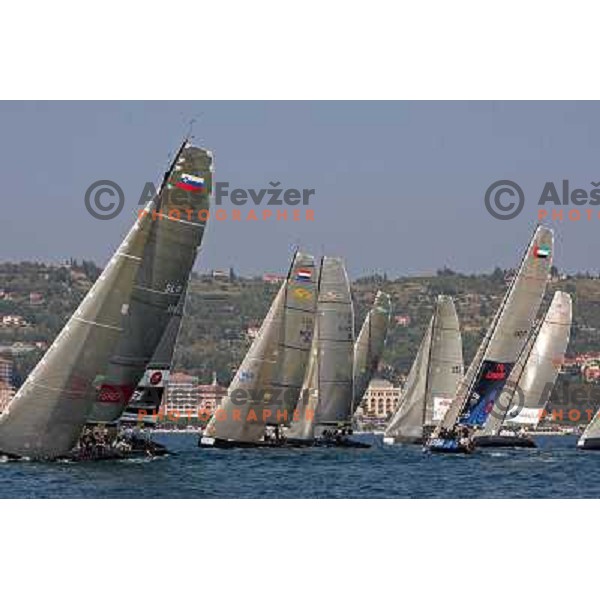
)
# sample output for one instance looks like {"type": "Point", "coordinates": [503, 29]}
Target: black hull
{"type": "Point", "coordinates": [150, 450]}
{"type": "Point", "coordinates": [589, 444]}
{"type": "Point", "coordinates": [411, 441]}
{"type": "Point", "coordinates": [340, 443]}
{"type": "Point", "coordinates": [287, 443]}
{"type": "Point", "coordinates": [503, 441]}
{"type": "Point", "coordinates": [140, 450]}
{"type": "Point", "coordinates": [455, 450]}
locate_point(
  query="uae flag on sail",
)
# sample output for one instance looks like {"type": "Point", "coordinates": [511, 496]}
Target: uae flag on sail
{"type": "Point", "coordinates": [541, 251]}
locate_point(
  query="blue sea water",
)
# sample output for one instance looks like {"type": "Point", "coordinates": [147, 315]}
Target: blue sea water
{"type": "Point", "coordinates": [556, 469]}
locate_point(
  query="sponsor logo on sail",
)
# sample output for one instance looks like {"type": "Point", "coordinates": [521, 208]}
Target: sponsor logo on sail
{"type": "Point", "coordinates": [156, 378]}
{"type": "Point", "coordinates": [246, 376]}
{"type": "Point", "coordinates": [114, 394]}
{"type": "Point", "coordinates": [498, 373]}
{"type": "Point", "coordinates": [302, 294]}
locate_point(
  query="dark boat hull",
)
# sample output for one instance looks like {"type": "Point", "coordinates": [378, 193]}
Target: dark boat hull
{"type": "Point", "coordinates": [504, 441]}
{"type": "Point", "coordinates": [149, 450]}
{"type": "Point", "coordinates": [285, 443]}
{"type": "Point", "coordinates": [140, 449]}
{"type": "Point", "coordinates": [589, 444]}
{"type": "Point", "coordinates": [340, 443]}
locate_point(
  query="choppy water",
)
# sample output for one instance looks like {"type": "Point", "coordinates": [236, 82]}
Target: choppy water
{"type": "Point", "coordinates": [555, 470]}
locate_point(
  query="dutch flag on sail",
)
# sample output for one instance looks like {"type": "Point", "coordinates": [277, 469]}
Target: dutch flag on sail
{"type": "Point", "coordinates": [303, 275]}
{"type": "Point", "coordinates": [191, 183]}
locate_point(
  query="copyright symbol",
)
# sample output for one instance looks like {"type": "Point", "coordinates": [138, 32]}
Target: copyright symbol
{"type": "Point", "coordinates": [100, 202]}
{"type": "Point", "coordinates": [504, 208]}
{"type": "Point", "coordinates": [510, 403]}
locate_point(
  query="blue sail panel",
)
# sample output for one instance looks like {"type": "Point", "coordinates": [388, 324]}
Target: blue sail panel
{"type": "Point", "coordinates": [491, 380]}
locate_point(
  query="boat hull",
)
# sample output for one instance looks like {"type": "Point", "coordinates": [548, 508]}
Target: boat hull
{"type": "Point", "coordinates": [140, 449]}
{"type": "Point", "coordinates": [205, 442]}
{"type": "Point", "coordinates": [448, 446]}
{"type": "Point", "coordinates": [589, 444]}
{"type": "Point", "coordinates": [208, 442]}
{"type": "Point", "coordinates": [504, 441]}
{"type": "Point", "coordinates": [339, 443]}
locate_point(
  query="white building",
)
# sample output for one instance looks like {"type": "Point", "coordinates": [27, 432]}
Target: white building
{"type": "Point", "coordinates": [182, 397]}
{"type": "Point", "coordinates": [380, 399]}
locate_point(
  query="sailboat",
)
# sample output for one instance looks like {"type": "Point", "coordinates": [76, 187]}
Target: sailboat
{"type": "Point", "coordinates": [169, 256]}
{"type": "Point", "coordinates": [369, 344]}
{"type": "Point", "coordinates": [45, 417]}
{"type": "Point", "coordinates": [262, 397]}
{"type": "Point", "coordinates": [432, 380]}
{"type": "Point", "coordinates": [326, 403]}
{"type": "Point", "coordinates": [499, 350]}
{"type": "Point", "coordinates": [590, 438]}
{"type": "Point", "coordinates": [527, 391]}
{"type": "Point", "coordinates": [143, 407]}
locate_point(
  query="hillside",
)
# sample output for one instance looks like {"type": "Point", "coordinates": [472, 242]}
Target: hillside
{"type": "Point", "coordinates": [220, 311]}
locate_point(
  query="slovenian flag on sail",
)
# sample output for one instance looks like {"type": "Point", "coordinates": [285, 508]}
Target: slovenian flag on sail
{"type": "Point", "coordinates": [190, 183]}
{"type": "Point", "coordinates": [303, 275]}
{"type": "Point", "coordinates": [541, 251]}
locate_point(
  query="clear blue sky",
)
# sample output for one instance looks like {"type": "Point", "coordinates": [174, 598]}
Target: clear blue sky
{"type": "Point", "coordinates": [399, 185]}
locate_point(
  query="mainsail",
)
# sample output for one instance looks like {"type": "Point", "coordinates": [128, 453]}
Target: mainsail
{"type": "Point", "coordinates": [176, 234]}
{"type": "Point", "coordinates": [369, 344]}
{"type": "Point", "coordinates": [524, 397]}
{"type": "Point", "coordinates": [295, 338]}
{"type": "Point", "coordinates": [303, 425]}
{"type": "Point", "coordinates": [143, 408]}
{"type": "Point", "coordinates": [46, 415]}
{"type": "Point", "coordinates": [272, 370]}
{"type": "Point", "coordinates": [335, 314]}
{"type": "Point", "coordinates": [506, 336]}
{"type": "Point", "coordinates": [326, 397]}
{"type": "Point", "coordinates": [433, 378]}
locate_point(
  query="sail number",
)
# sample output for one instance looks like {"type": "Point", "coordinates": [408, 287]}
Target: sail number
{"type": "Point", "coordinates": [173, 288]}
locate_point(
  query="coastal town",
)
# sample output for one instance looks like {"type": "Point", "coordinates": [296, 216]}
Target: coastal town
{"type": "Point", "coordinates": [36, 299]}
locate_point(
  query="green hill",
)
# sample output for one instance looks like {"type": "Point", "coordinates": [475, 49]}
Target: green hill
{"type": "Point", "coordinates": [219, 312]}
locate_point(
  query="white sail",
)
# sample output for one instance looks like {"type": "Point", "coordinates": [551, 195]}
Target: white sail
{"type": "Point", "coordinates": [335, 314]}
{"type": "Point", "coordinates": [326, 397]}
{"type": "Point", "coordinates": [433, 378]}
{"type": "Point", "coordinates": [407, 421]}
{"type": "Point", "coordinates": [173, 244]}
{"type": "Point", "coordinates": [295, 338]}
{"type": "Point", "coordinates": [506, 336]}
{"type": "Point", "coordinates": [46, 415]}
{"type": "Point", "coordinates": [253, 398]}
{"type": "Point", "coordinates": [369, 345]}
{"type": "Point", "coordinates": [543, 365]}
{"type": "Point", "coordinates": [302, 426]}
